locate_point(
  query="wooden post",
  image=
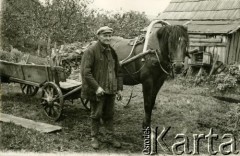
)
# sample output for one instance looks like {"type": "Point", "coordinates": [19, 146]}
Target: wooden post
{"type": "Point", "coordinates": [48, 46]}
{"type": "Point", "coordinates": [49, 51]}
{"type": "Point", "coordinates": [50, 57]}
{"type": "Point", "coordinates": [198, 77]}
{"type": "Point", "coordinates": [38, 50]}
{"type": "Point", "coordinates": [55, 57]}
{"type": "Point", "coordinates": [214, 64]}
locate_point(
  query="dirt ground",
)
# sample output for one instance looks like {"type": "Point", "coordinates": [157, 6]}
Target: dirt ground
{"type": "Point", "coordinates": [187, 110]}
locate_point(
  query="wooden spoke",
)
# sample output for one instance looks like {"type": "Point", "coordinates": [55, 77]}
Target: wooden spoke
{"type": "Point", "coordinates": [56, 104]}
{"type": "Point", "coordinates": [29, 89]}
{"type": "Point", "coordinates": [44, 101]}
{"type": "Point", "coordinates": [24, 86]}
{"type": "Point", "coordinates": [52, 100]}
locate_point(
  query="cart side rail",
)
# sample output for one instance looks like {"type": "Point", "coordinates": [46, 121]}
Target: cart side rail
{"type": "Point", "coordinates": [38, 74]}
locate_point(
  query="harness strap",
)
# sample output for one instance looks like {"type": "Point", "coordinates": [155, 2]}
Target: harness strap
{"type": "Point", "coordinates": [134, 45]}
{"type": "Point", "coordinates": [131, 74]}
{"type": "Point", "coordinates": [159, 62]}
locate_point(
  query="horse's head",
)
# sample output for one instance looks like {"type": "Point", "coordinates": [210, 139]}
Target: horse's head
{"type": "Point", "coordinates": [173, 41]}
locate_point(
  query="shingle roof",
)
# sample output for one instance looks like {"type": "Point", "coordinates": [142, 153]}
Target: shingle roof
{"type": "Point", "coordinates": [202, 10]}
{"type": "Point", "coordinates": [204, 13]}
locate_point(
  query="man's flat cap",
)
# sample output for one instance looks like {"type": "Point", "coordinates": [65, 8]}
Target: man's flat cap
{"type": "Point", "coordinates": [104, 30]}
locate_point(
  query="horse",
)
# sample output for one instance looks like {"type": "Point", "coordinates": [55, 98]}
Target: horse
{"type": "Point", "coordinates": [169, 43]}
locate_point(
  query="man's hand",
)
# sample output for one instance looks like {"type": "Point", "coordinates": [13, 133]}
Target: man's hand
{"type": "Point", "coordinates": [119, 95]}
{"type": "Point", "coordinates": [100, 91]}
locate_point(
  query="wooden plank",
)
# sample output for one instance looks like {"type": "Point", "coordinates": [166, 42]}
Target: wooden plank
{"type": "Point", "coordinates": [227, 50]}
{"type": "Point", "coordinates": [197, 36]}
{"type": "Point", "coordinates": [208, 44]}
{"type": "Point", "coordinates": [70, 84]}
{"type": "Point", "coordinates": [214, 63]}
{"type": "Point", "coordinates": [47, 74]}
{"type": "Point", "coordinates": [139, 56]}
{"type": "Point", "coordinates": [224, 53]}
{"type": "Point", "coordinates": [230, 58]}
{"type": "Point", "coordinates": [39, 126]}
{"type": "Point", "coordinates": [224, 39]}
{"type": "Point", "coordinates": [233, 48]}
{"type": "Point", "coordinates": [206, 40]}
{"type": "Point", "coordinates": [34, 73]}
{"type": "Point", "coordinates": [238, 49]}
{"type": "Point", "coordinates": [23, 75]}
{"type": "Point", "coordinates": [10, 69]}
{"type": "Point", "coordinates": [236, 44]}
{"type": "Point", "coordinates": [13, 79]}
{"type": "Point", "coordinates": [219, 52]}
{"type": "Point", "coordinates": [192, 51]}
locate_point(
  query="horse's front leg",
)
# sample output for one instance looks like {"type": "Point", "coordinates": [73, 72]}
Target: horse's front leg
{"type": "Point", "coordinates": [147, 86]}
{"type": "Point", "coordinates": [156, 87]}
{"type": "Point", "coordinates": [150, 91]}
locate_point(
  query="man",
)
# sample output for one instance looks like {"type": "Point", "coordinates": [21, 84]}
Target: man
{"type": "Point", "coordinates": [101, 82]}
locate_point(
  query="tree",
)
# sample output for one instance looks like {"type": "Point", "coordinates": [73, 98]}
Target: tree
{"type": "Point", "coordinates": [28, 24]}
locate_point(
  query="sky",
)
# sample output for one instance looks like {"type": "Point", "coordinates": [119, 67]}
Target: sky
{"type": "Point", "coordinates": [150, 7]}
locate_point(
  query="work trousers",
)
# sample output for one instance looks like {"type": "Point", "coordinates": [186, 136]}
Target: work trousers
{"type": "Point", "coordinates": [102, 108]}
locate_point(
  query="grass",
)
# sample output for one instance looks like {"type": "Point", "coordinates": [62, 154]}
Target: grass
{"type": "Point", "coordinates": [188, 110]}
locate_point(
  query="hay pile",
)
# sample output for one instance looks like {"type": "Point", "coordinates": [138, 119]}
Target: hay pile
{"type": "Point", "coordinates": [14, 55]}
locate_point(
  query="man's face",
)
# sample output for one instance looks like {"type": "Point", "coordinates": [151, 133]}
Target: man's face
{"type": "Point", "coordinates": [105, 38]}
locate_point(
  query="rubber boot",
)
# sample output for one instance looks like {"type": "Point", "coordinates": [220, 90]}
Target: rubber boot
{"type": "Point", "coordinates": [110, 134]}
{"type": "Point", "coordinates": [94, 133]}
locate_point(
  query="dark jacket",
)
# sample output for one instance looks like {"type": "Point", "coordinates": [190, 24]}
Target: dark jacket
{"type": "Point", "coordinates": [94, 70]}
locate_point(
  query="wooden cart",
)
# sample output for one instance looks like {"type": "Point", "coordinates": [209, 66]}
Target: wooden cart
{"type": "Point", "coordinates": [52, 81]}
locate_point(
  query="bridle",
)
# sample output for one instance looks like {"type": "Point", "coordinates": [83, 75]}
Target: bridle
{"type": "Point", "coordinates": [170, 63]}
{"type": "Point", "coordinates": [159, 62]}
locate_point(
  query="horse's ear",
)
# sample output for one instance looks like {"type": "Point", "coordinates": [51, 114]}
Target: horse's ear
{"type": "Point", "coordinates": [185, 25]}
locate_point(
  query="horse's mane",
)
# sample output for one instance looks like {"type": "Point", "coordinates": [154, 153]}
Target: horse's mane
{"type": "Point", "coordinates": [172, 33]}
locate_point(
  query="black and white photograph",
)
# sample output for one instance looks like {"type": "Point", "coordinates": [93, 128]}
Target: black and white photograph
{"type": "Point", "coordinates": [119, 77]}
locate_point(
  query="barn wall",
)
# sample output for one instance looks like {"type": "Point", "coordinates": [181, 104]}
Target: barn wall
{"type": "Point", "coordinates": [214, 44]}
{"type": "Point", "coordinates": [234, 48]}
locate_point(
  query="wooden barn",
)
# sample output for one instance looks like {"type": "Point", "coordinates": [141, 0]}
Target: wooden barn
{"type": "Point", "coordinates": [213, 26]}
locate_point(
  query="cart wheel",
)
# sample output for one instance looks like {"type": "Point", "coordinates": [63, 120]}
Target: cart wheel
{"type": "Point", "coordinates": [29, 89]}
{"type": "Point", "coordinates": [52, 100]}
{"type": "Point", "coordinates": [86, 104]}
